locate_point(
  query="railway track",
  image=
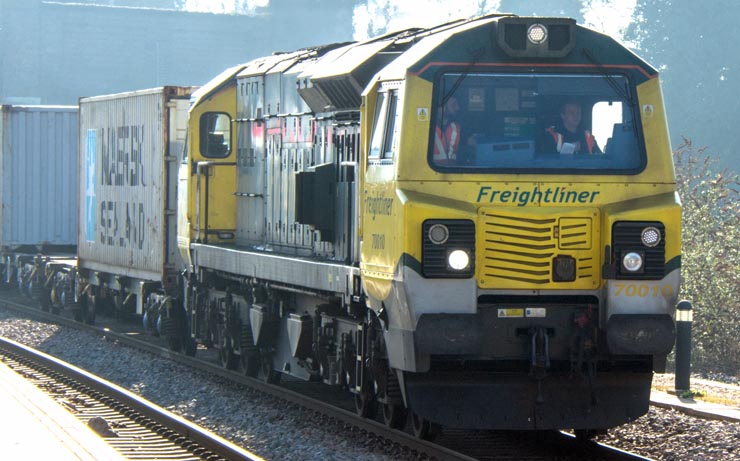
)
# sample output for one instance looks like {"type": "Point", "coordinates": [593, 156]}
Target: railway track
{"type": "Point", "coordinates": [450, 445]}
{"type": "Point", "coordinates": [134, 427]}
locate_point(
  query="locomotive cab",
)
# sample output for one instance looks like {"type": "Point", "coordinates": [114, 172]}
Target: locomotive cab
{"type": "Point", "coordinates": [207, 177]}
{"type": "Point", "coordinates": [537, 259]}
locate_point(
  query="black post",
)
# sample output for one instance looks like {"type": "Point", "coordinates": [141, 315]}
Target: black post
{"type": "Point", "coordinates": [684, 318]}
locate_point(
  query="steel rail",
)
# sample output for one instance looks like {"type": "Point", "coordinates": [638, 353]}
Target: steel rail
{"type": "Point", "coordinates": [187, 439]}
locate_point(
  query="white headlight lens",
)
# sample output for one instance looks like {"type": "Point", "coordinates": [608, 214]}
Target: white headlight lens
{"type": "Point", "coordinates": [458, 260]}
{"type": "Point", "coordinates": [650, 237]}
{"type": "Point", "coordinates": [438, 234]}
{"type": "Point", "coordinates": [632, 262]}
{"type": "Point", "coordinates": [537, 33]}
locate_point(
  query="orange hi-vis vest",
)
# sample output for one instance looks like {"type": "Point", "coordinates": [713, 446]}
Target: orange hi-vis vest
{"type": "Point", "coordinates": [446, 144]}
{"type": "Point", "coordinates": [558, 138]}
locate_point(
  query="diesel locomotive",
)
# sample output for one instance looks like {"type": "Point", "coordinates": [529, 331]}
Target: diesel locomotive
{"type": "Point", "coordinates": [473, 225]}
{"type": "Point", "coordinates": [397, 217]}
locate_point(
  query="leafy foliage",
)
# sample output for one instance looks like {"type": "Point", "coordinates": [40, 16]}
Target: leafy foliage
{"type": "Point", "coordinates": [675, 35]}
{"type": "Point", "coordinates": [710, 257]}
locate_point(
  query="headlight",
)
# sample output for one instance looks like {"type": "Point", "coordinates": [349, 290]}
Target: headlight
{"type": "Point", "coordinates": [632, 261]}
{"type": "Point", "coordinates": [458, 260]}
{"type": "Point", "coordinates": [537, 33]}
{"type": "Point", "coordinates": [448, 248]}
{"type": "Point", "coordinates": [438, 234]}
{"type": "Point", "coordinates": [650, 237]}
{"type": "Point", "coordinates": [638, 250]}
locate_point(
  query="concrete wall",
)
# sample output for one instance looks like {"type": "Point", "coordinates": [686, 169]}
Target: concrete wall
{"type": "Point", "coordinates": [54, 53]}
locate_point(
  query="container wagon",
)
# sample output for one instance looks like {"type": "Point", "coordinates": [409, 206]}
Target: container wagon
{"type": "Point", "coordinates": [38, 178]}
{"type": "Point", "coordinates": [128, 160]}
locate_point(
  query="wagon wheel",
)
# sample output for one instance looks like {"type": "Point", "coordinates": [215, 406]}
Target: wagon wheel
{"type": "Point", "coordinates": [423, 428]}
{"type": "Point", "coordinates": [394, 415]}
{"type": "Point", "coordinates": [60, 300]}
{"type": "Point", "coordinates": [20, 283]}
{"type": "Point", "coordinates": [45, 300]}
{"type": "Point", "coordinates": [365, 405]}
{"type": "Point", "coordinates": [84, 310]}
{"type": "Point", "coordinates": [89, 308]}
{"type": "Point", "coordinates": [229, 359]}
{"type": "Point", "coordinates": [42, 295]}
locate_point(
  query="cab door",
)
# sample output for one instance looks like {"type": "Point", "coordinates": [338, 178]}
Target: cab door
{"type": "Point", "coordinates": [207, 176]}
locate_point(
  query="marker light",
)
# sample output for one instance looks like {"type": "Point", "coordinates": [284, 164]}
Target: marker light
{"type": "Point", "coordinates": [438, 234]}
{"type": "Point", "coordinates": [632, 261]}
{"type": "Point", "coordinates": [650, 237]}
{"type": "Point", "coordinates": [537, 33]}
{"type": "Point", "coordinates": [458, 260]}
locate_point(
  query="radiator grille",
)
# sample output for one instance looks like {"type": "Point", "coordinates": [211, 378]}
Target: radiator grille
{"type": "Point", "coordinates": [518, 247]}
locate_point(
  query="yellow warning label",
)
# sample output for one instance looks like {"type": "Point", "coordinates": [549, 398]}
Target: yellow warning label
{"type": "Point", "coordinates": [512, 312]}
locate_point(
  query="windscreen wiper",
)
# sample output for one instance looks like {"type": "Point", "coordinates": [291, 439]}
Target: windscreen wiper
{"type": "Point", "coordinates": [621, 91]}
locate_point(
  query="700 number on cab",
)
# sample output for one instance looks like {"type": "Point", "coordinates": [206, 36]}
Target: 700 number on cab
{"type": "Point", "coordinates": [643, 290]}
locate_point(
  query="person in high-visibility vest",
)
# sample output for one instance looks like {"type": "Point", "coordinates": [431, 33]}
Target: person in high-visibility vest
{"type": "Point", "coordinates": [447, 134]}
{"type": "Point", "coordinates": [568, 137]}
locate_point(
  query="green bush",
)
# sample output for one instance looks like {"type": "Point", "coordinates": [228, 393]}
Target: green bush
{"type": "Point", "coordinates": [710, 257]}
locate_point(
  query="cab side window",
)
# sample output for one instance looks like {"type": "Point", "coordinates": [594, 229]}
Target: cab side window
{"type": "Point", "coordinates": [384, 141]}
{"type": "Point", "coordinates": [215, 135]}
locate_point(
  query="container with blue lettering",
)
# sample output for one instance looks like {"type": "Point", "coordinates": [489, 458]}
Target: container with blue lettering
{"type": "Point", "coordinates": [130, 144]}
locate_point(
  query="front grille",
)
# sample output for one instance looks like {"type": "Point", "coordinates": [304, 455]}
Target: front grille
{"type": "Point", "coordinates": [518, 248]}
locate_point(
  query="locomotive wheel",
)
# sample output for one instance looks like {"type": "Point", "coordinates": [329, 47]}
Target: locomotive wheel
{"type": "Point", "coordinates": [394, 416]}
{"type": "Point", "coordinates": [249, 353]}
{"type": "Point", "coordinates": [365, 405]}
{"type": "Point", "coordinates": [269, 375]}
{"type": "Point", "coordinates": [229, 360]}
{"type": "Point", "coordinates": [250, 363]}
{"type": "Point", "coordinates": [394, 412]}
{"type": "Point", "coordinates": [585, 435]}
{"type": "Point", "coordinates": [190, 347]}
{"type": "Point", "coordinates": [423, 428]}
{"type": "Point", "coordinates": [78, 311]}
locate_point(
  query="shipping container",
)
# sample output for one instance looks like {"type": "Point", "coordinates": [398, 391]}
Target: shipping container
{"type": "Point", "coordinates": [130, 144]}
{"type": "Point", "coordinates": [38, 177]}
